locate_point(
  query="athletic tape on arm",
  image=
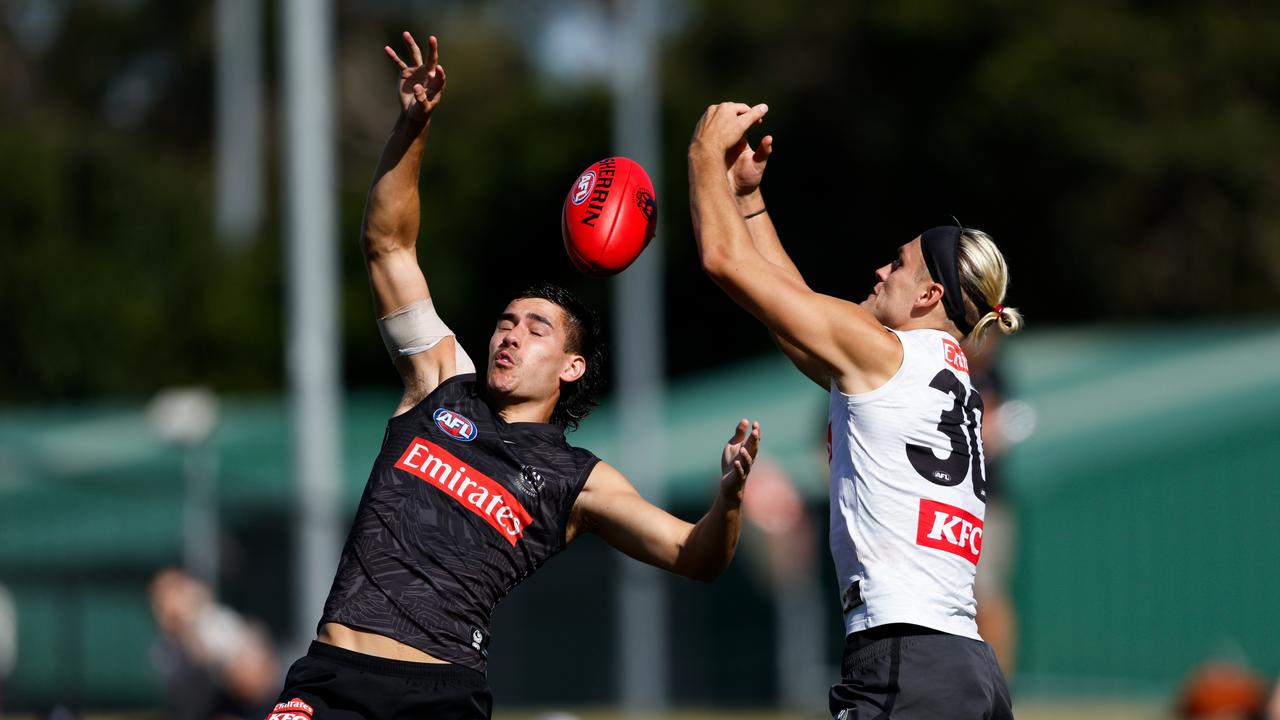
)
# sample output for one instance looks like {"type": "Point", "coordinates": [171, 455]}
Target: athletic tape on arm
{"type": "Point", "coordinates": [416, 328]}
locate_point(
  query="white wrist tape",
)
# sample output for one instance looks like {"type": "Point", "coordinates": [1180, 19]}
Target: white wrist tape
{"type": "Point", "coordinates": [416, 328]}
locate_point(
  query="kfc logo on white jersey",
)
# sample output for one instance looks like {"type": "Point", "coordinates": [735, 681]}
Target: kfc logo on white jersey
{"type": "Point", "coordinates": [949, 529]}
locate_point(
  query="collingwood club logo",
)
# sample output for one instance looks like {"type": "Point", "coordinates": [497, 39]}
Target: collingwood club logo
{"type": "Point", "coordinates": [530, 481]}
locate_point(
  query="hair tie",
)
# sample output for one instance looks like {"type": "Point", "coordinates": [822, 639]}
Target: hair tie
{"type": "Point", "coordinates": [998, 309]}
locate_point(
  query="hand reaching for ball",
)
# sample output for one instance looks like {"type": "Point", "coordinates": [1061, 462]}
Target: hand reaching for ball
{"type": "Point", "coordinates": [738, 456]}
{"type": "Point", "coordinates": [747, 169]}
{"type": "Point", "coordinates": [722, 132]}
{"type": "Point", "coordinates": [421, 84]}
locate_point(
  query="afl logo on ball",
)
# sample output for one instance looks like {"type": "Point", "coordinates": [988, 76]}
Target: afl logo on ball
{"type": "Point", "coordinates": [455, 425]}
{"type": "Point", "coordinates": [585, 185]}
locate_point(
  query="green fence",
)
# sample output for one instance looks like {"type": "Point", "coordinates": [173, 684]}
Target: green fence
{"type": "Point", "coordinates": [1147, 496]}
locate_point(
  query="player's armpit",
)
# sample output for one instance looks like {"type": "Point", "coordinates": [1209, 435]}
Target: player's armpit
{"type": "Point", "coordinates": [424, 350]}
{"type": "Point", "coordinates": [808, 365]}
{"type": "Point", "coordinates": [423, 372]}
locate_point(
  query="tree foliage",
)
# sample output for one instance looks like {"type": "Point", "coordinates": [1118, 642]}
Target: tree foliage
{"type": "Point", "coordinates": [1125, 155]}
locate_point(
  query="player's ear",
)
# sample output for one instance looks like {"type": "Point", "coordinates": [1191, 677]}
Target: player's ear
{"type": "Point", "coordinates": [574, 369]}
{"type": "Point", "coordinates": [930, 295]}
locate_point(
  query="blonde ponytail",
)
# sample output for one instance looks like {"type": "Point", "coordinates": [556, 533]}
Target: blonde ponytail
{"type": "Point", "coordinates": [984, 277]}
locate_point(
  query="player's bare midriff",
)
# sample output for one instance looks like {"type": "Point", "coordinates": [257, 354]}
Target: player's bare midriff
{"type": "Point", "coordinates": [367, 643]}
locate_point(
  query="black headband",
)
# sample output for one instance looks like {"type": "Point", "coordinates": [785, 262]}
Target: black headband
{"type": "Point", "coordinates": [939, 246]}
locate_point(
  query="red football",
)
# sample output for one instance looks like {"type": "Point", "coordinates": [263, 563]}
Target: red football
{"type": "Point", "coordinates": [609, 216]}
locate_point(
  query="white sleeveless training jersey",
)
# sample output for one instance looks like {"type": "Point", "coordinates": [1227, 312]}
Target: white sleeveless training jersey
{"type": "Point", "coordinates": [908, 491]}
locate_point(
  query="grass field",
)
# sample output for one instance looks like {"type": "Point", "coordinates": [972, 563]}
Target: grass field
{"type": "Point", "coordinates": [1031, 710]}
{"type": "Point", "coordinates": [1042, 710]}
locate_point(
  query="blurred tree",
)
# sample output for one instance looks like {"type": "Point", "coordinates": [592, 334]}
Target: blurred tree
{"type": "Point", "coordinates": [1126, 157]}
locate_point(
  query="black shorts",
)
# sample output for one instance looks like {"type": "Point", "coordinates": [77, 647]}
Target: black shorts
{"type": "Point", "coordinates": [330, 683]}
{"type": "Point", "coordinates": [902, 672]}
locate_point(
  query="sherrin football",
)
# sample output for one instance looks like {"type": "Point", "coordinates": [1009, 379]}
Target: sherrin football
{"type": "Point", "coordinates": [609, 216]}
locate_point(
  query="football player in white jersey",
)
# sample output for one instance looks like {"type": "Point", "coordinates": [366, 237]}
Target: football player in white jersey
{"type": "Point", "coordinates": [907, 483]}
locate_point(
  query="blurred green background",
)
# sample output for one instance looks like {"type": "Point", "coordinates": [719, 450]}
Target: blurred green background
{"type": "Point", "coordinates": [1125, 156]}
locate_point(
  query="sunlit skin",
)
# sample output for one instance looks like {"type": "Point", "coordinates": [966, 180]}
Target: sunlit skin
{"type": "Point", "coordinates": [904, 295]}
{"type": "Point", "coordinates": [528, 360]}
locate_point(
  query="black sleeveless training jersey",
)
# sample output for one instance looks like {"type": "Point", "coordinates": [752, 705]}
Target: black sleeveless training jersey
{"type": "Point", "coordinates": [459, 508]}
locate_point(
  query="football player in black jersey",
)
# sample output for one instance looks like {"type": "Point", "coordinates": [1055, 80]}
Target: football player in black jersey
{"type": "Point", "coordinates": [475, 486]}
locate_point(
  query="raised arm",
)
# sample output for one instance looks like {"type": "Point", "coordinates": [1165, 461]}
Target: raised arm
{"type": "Point", "coordinates": [610, 507]}
{"type": "Point", "coordinates": [392, 216]}
{"type": "Point", "coordinates": [745, 175]}
{"type": "Point", "coordinates": [832, 338]}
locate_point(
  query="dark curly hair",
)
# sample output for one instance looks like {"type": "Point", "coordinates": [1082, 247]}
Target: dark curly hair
{"type": "Point", "coordinates": [583, 336]}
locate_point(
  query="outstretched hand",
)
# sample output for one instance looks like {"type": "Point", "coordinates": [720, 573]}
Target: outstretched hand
{"type": "Point", "coordinates": [722, 131]}
{"type": "Point", "coordinates": [738, 456]}
{"type": "Point", "coordinates": [747, 169]}
{"type": "Point", "coordinates": [422, 83]}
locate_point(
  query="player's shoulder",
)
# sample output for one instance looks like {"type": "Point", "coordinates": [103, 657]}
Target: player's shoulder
{"type": "Point", "coordinates": [933, 348]}
{"type": "Point", "coordinates": [549, 442]}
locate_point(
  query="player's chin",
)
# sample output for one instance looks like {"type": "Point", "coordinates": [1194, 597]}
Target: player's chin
{"type": "Point", "coordinates": [499, 380]}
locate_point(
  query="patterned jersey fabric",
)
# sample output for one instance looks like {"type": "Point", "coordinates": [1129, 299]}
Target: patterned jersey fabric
{"type": "Point", "coordinates": [460, 507]}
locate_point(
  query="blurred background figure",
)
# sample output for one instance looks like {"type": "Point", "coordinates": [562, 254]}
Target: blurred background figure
{"type": "Point", "coordinates": [214, 662]}
{"type": "Point", "coordinates": [60, 712]}
{"type": "Point", "coordinates": [1223, 690]}
{"type": "Point", "coordinates": [781, 542]}
{"type": "Point", "coordinates": [997, 617]}
{"type": "Point", "coordinates": [8, 639]}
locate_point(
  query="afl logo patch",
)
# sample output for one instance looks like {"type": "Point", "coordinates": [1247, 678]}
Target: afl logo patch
{"type": "Point", "coordinates": [454, 425]}
{"type": "Point", "coordinates": [586, 184]}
